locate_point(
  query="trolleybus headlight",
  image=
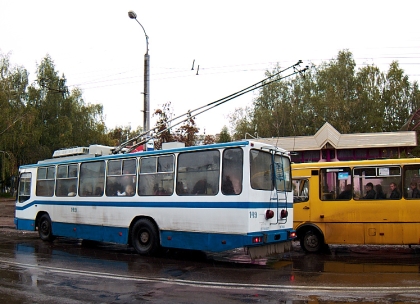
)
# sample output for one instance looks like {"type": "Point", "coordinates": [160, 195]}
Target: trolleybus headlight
{"type": "Point", "coordinates": [269, 214]}
{"type": "Point", "coordinates": [284, 213]}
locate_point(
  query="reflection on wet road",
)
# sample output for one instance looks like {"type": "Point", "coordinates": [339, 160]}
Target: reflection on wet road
{"type": "Point", "coordinates": [72, 271]}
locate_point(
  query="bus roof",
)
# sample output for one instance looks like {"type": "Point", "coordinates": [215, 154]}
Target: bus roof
{"type": "Point", "coordinates": [88, 155]}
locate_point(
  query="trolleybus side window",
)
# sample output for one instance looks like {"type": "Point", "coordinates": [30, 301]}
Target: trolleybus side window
{"type": "Point", "coordinates": [232, 171]}
{"type": "Point", "coordinates": [45, 181]}
{"type": "Point", "coordinates": [156, 176]}
{"type": "Point", "coordinates": [66, 180]}
{"type": "Point", "coordinates": [335, 184]}
{"type": "Point", "coordinates": [198, 173]}
{"type": "Point", "coordinates": [92, 176]}
{"type": "Point", "coordinates": [379, 177]}
{"type": "Point", "coordinates": [24, 187]}
{"type": "Point", "coordinates": [412, 181]}
{"type": "Point", "coordinates": [121, 177]}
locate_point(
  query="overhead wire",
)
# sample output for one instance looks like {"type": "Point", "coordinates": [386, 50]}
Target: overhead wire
{"type": "Point", "coordinates": [193, 113]}
{"type": "Point", "coordinates": [220, 70]}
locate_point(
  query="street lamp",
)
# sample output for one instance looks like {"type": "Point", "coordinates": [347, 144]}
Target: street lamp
{"type": "Point", "coordinates": [146, 92]}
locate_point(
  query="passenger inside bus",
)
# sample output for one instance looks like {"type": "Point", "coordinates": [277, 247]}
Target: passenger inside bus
{"type": "Point", "coordinates": [72, 191]}
{"type": "Point", "coordinates": [370, 193]}
{"type": "Point", "coordinates": [227, 186]}
{"type": "Point", "coordinates": [395, 194]}
{"type": "Point", "coordinates": [200, 187]}
{"type": "Point", "coordinates": [112, 188]}
{"type": "Point", "coordinates": [99, 191]}
{"type": "Point", "coordinates": [87, 191]}
{"type": "Point", "coordinates": [158, 190]}
{"type": "Point", "coordinates": [347, 193]}
{"type": "Point", "coordinates": [181, 189]}
{"type": "Point", "coordinates": [128, 191]}
{"type": "Point", "coordinates": [415, 193]}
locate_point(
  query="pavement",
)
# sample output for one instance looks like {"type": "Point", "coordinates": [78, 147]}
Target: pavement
{"type": "Point", "coordinates": [7, 213]}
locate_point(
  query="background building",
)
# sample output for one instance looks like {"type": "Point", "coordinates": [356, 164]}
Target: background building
{"type": "Point", "coordinates": [329, 145]}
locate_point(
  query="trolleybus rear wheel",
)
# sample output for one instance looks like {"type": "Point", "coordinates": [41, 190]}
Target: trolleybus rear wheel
{"type": "Point", "coordinates": [144, 237]}
{"type": "Point", "coordinates": [45, 228]}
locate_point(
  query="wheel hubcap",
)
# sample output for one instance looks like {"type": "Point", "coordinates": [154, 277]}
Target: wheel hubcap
{"type": "Point", "coordinates": [312, 241]}
{"type": "Point", "coordinates": [144, 237]}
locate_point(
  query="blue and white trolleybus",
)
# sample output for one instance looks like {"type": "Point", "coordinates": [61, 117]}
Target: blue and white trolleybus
{"type": "Point", "coordinates": [212, 198]}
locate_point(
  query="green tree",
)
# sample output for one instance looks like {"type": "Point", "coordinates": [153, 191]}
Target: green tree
{"type": "Point", "coordinates": [14, 116]}
{"type": "Point", "coordinates": [63, 119]}
{"type": "Point", "coordinates": [337, 91]}
{"type": "Point", "coordinates": [242, 121]}
{"type": "Point", "coordinates": [364, 100]}
{"type": "Point", "coordinates": [39, 118]}
{"type": "Point", "coordinates": [122, 134]}
{"type": "Point", "coordinates": [369, 106]}
{"type": "Point", "coordinates": [396, 98]}
{"type": "Point", "coordinates": [224, 135]}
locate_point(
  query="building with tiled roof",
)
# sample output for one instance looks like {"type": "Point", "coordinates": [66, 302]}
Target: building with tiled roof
{"type": "Point", "coordinates": [329, 145]}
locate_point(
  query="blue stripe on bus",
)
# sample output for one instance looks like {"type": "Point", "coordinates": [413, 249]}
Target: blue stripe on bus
{"type": "Point", "coordinates": [215, 242]}
{"type": "Point", "coordinates": [155, 204]}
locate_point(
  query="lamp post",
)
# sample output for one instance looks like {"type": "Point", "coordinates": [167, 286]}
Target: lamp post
{"type": "Point", "coordinates": [146, 92]}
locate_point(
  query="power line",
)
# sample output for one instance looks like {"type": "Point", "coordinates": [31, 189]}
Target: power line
{"type": "Point", "coordinates": [222, 70]}
{"type": "Point", "coordinates": [192, 113]}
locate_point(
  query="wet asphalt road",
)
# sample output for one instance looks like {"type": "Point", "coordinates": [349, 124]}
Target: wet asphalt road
{"type": "Point", "coordinates": [71, 271]}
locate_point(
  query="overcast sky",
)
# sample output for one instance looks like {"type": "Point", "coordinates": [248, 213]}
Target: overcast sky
{"type": "Point", "coordinates": [100, 49]}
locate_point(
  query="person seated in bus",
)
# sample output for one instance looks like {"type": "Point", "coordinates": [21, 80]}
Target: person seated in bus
{"type": "Point", "coordinates": [181, 189]}
{"type": "Point", "coordinates": [112, 188]}
{"type": "Point", "coordinates": [99, 191]}
{"type": "Point", "coordinates": [227, 186]}
{"type": "Point", "coordinates": [72, 191]}
{"type": "Point", "coordinates": [87, 190]}
{"type": "Point", "coordinates": [370, 193]}
{"type": "Point", "coordinates": [379, 192]}
{"type": "Point", "coordinates": [158, 190]}
{"type": "Point", "coordinates": [415, 193]}
{"type": "Point", "coordinates": [129, 190]}
{"type": "Point", "coordinates": [395, 194]}
{"type": "Point", "coordinates": [200, 187]}
{"type": "Point", "coordinates": [347, 193]}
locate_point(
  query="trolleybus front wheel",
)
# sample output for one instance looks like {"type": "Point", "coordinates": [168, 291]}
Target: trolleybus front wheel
{"type": "Point", "coordinates": [45, 228]}
{"type": "Point", "coordinates": [144, 237]}
{"type": "Point", "coordinates": [312, 241]}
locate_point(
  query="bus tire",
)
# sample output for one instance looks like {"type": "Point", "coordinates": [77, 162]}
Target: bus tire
{"type": "Point", "coordinates": [45, 228]}
{"type": "Point", "coordinates": [144, 237]}
{"type": "Point", "coordinates": [312, 241]}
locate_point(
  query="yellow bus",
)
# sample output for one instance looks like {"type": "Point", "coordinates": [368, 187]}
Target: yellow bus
{"type": "Point", "coordinates": [357, 202]}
